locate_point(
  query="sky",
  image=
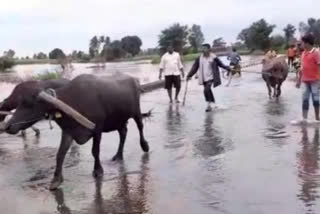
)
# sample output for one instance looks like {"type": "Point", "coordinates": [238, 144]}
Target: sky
{"type": "Point", "coordinates": [31, 26]}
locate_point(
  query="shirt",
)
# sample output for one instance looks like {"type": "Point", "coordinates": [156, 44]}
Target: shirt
{"type": "Point", "coordinates": [234, 58]}
{"type": "Point", "coordinates": [310, 65]}
{"type": "Point", "coordinates": [291, 52]}
{"type": "Point", "coordinates": [205, 67]}
{"type": "Point", "coordinates": [171, 64]}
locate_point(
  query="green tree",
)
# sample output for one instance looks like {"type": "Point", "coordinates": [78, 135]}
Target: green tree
{"type": "Point", "coordinates": [113, 51]}
{"type": "Point", "coordinates": [94, 46]}
{"type": "Point", "coordinates": [131, 44]}
{"type": "Point", "coordinates": [101, 39]}
{"type": "Point", "coordinates": [74, 54]}
{"type": "Point", "coordinates": [175, 35]}
{"type": "Point", "coordinates": [42, 55]}
{"type": "Point", "coordinates": [107, 40]}
{"type": "Point", "coordinates": [289, 32]}
{"type": "Point", "coordinates": [9, 53]}
{"type": "Point", "coordinates": [312, 27]}
{"type": "Point", "coordinates": [278, 42]}
{"type": "Point", "coordinates": [257, 36]}
{"type": "Point", "coordinates": [196, 37]}
{"type": "Point", "coordinates": [57, 54]}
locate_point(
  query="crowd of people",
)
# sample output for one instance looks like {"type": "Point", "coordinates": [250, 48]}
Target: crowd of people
{"type": "Point", "coordinates": [303, 56]}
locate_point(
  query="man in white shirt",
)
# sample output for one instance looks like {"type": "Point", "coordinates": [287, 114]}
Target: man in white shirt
{"type": "Point", "coordinates": [172, 68]}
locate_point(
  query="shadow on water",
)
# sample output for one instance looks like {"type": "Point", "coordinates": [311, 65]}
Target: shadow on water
{"type": "Point", "coordinates": [308, 169]}
{"type": "Point", "coordinates": [210, 142]}
{"type": "Point", "coordinates": [130, 195]}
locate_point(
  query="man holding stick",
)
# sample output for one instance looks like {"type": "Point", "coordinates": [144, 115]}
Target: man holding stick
{"type": "Point", "coordinates": [207, 68]}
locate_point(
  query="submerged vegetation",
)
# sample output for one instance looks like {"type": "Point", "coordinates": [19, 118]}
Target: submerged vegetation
{"type": "Point", "coordinates": [48, 76]}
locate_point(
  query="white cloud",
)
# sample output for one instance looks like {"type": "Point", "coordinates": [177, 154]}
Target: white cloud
{"type": "Point", "coordinates": [35, 25]}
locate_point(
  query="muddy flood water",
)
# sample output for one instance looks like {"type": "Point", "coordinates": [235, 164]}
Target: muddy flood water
{"type": "Point", "coordinates": [231, 160]}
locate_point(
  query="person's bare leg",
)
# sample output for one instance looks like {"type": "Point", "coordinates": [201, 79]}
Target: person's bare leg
{"type": "Point", "coordinates": [177, 94]}
{"type": "Point", "coordinates": [170, 95]}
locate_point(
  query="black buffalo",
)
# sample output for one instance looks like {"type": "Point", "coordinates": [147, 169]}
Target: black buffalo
{"type": "Point", "coordinates": [274, 73]}
{"type": "Point", "coordinates": [84, 109]}
{"type": "Point", "coordinates": [14, 99]}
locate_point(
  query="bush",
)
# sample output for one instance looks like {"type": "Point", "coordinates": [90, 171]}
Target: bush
{"type": "Point", "coordinates": [6, 63]}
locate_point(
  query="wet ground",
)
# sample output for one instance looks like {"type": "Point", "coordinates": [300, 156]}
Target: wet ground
{"type": "Point", "coordinates": [244, 157]}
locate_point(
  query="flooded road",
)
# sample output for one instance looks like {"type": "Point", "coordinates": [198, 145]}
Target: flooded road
{"type": "Point", "coordinates": [223, 162]}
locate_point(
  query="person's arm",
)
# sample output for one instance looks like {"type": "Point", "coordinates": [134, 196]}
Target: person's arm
{"type": "Point", "coordinates": [194, 68]}
{"type": "Point", "coordinates": [161, 66]}
{"type": "Point", "coordinates": [221, 65]}
{"type": "Point", "coordinates": [239, 57]}
{"type": "Point", "coordinates": [298, 84]}
{"type": "Point", "coordinates": [181, 66]}
{"type": "Point", "coordinates": [318, 58]}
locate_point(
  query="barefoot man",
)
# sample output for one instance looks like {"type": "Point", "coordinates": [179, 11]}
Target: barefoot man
{"type": "Point", "coordinates": [172, 68]}
{"type": "Point", "coordinates": [207, 68]}
{"type": "Point", "coordinates": [309, 76]}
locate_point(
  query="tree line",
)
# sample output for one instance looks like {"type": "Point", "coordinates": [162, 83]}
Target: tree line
{"type": "Point", "coordinates": [257, 36]}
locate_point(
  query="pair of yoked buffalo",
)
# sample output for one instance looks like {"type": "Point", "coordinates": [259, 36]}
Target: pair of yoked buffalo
{"type": "Point", "coordinates": [84, 108]}
{"type": "Point", "coordinates": [87, 106]}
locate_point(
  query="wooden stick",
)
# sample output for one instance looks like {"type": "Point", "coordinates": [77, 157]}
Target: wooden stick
{"type": "Point", "coordinates": [185, 93]}
{"type": "Point", "coordinates": [6, 113]}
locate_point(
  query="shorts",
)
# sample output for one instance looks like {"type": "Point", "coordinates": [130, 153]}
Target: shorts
{"type": "Point", "coordinates": [172, 81]}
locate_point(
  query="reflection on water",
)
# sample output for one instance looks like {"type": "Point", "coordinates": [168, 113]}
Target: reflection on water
{"type": "Point", "coordinates": [276, 107]}
{"type": "Point", "coordinates": [308, 169]}
{"type": "Point", "coordinates": [130, 196]}
{"type": "Point", "coordinates": [210, 142]}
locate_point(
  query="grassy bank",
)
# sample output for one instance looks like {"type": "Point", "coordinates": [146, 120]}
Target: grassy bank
{"type": "Point", "coordinates": [192, 57]}
{"type": "Point", "coordinates": [185, 58]}
{"type": "Point", "coordinates": [34, 61]}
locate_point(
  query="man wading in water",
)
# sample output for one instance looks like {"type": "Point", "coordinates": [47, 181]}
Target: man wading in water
{"type": "Point", "coordinates": [207, 68]}
{"type": "Point", "coordinates": [309, 76]}
{"type": "Point", "coordinates": [171, 65]}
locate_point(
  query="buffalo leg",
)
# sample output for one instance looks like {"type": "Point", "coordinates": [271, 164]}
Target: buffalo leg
{"type": "Point", "coordinates": [98, 170]}
{"type": "Point", "coordinates": [269, 90]}
{"type": "Point", "coordinates": [37, 131]}
{"type": "Point", "coordinates": [274, 91]}
{"type": "Point", "coordinates": [279, 90]}
{"type": "Point", "coordinates": [66, 141]}
{"type": "Point", "coordinates": [123, 135]}
{"type": "Point", "coordinates": [23, 133]}
{"type": "Point", "coordinates": [143, 143]}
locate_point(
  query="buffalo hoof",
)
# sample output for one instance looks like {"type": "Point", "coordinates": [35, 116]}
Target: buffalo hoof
{"type": "Point", "coordinates": [55, 183]}
{"type": "Point", "coordinates": [23, 134]}
{"type": "Point", "coordinates": [97, 173]}
{"type": "Point", "coordinates": [117, 157]}
{"type": "Point", "coordinates": [145, 146]}
{"type": "Point", "coordinates": [37, 133]}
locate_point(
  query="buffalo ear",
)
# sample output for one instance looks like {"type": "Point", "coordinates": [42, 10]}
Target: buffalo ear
{"type": "Point", "coordinates": [51, 92]}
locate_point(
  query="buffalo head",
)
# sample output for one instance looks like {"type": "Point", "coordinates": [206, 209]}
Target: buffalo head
{"type": "Point", "coordinates": [37, 106]}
